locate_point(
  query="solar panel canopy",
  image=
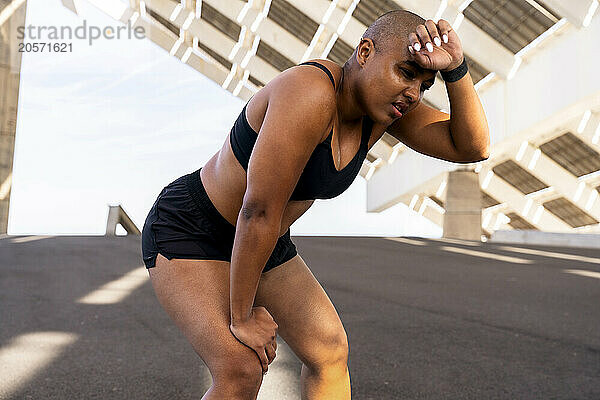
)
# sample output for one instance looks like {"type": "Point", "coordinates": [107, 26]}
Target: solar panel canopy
{"type": "Point", "coordinates": [545, 181]}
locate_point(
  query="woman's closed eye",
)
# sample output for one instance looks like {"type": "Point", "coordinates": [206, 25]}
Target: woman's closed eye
{"type": "Point", "coordinates": [411, 75]}
{"type": "Point", "coordinates": [408, 73]}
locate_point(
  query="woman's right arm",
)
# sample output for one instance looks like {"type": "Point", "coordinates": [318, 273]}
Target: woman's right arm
{"type": "Point", "coordinates": [297, 116]}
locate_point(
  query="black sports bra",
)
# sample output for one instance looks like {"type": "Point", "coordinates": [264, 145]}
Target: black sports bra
{"type": "Point", "coordinates": [319, 179]}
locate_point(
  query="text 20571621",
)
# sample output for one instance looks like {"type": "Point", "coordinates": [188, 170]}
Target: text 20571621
{"type": "Point", "coordinates": [41, 47]}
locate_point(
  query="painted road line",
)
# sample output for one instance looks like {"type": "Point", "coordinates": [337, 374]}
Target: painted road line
{"type": "Point", "coordinates": [26, 239]}
{"type": "Point", "coordinates": [552, 254]}
{"type": "Point", "coordinates": [583, 272]}
{"type": "Point", "coordinates": [492, 256]}
{"type": "Point", "coordinates": [407, 241]}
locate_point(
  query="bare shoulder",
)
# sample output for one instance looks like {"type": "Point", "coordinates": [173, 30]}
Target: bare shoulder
{"type": "Point", "coordinates": [333, 67]}
{"type": "Point", "coordinates": [297, 88]}
{"type": "Point", "coordinates": [308, 79]}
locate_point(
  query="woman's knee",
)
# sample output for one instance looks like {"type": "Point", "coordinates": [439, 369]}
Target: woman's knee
{"type": "Point", "coordinates": [242, 370]}
{"type": "Point", "coordinates": [330, 351]}
{"type": "Point", "coordinates": [339, 348]}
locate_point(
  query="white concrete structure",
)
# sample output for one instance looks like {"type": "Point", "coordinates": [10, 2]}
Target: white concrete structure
{"type": "Point", "coordinates": [554, 91]}
{"type": "Point", "coordinates": [12, 15]}
{"type": "Point", "coordinates": [535, 69]}
{"type": "Point", "coordinates": [584, 240]}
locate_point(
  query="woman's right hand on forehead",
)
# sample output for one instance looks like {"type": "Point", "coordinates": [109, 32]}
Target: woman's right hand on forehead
{"type": "Point", "coordinates": [447, 53]}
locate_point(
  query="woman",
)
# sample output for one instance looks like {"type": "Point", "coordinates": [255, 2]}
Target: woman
{"type": "Point", "coordinates": [216, 242]}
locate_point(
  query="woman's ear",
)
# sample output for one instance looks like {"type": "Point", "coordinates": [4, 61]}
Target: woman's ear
{"type": "Point", "coordinates": [365, 49]}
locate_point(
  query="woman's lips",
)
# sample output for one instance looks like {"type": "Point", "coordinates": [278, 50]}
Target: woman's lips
{"type": "Point", "coordinates": [397, 111]}
{"type": "Point", "coordinates": [402, 107]}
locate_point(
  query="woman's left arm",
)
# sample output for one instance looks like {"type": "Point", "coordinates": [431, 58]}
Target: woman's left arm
{"type": "Point", "coordinates": [462, 136]}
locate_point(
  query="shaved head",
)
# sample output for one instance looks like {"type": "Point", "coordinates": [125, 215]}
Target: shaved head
{"type": "Point", "coordinates": [382, 71]}
{"type": "Point", "coordinates": [392, 28]}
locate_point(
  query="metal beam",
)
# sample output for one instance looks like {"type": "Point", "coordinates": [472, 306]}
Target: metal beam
{"type": "Point", "coordinates": [167, 40]}
{"type": "Point", "coordinates": [528, 208]}
{"type": "Point", "coordinates": [217, 41]}
{"type": "Point", "coordinates": [574, 10]}
{"type": "Point", "coordinates": [590, 133]}
{"type": "Point", "coordinates": [543, 167]}
{"type": "Point", "coordinates": [427, 208]}
{"type": "Point", "coordinates": [270, 32]}
{"type": "Point", "coordinates": [492, 218]}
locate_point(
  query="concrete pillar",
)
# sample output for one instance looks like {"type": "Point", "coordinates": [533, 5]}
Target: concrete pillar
{"type": "Point", "coordinates": [116, 215]}
{"type": "Point", "coordinates": [462, 219]}
{"type": "Point", "coordinates": [12, 15]}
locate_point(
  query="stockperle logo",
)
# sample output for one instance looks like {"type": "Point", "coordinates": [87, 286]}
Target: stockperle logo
{"type": "Point", "coordinates": [83, 31]}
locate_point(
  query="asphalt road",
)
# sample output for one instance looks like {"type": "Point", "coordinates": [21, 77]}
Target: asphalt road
{"type": "Point", "coordinates": [426, 319]}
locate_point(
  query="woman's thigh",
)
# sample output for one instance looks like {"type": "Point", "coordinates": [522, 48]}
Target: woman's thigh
{"type": "Point", "coordinates": [195, 294]}
{"type": "Point", "coordinates": [307, 319]}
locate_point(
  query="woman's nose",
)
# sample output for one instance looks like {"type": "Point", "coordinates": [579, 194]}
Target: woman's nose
{"type": "Point", "coordinates": [412, 93]}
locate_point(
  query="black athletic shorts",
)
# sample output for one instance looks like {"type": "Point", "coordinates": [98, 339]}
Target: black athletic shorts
{"type": "Point", "coordinates": [184, 223]}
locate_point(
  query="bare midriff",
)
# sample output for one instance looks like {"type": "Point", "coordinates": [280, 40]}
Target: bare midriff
{"type": "Point", "coordinates": [224, 180]}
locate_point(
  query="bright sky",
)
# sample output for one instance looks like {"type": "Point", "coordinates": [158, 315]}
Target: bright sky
{"type": "Point", "coordinates": [115, 122]}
